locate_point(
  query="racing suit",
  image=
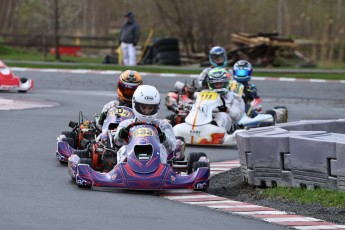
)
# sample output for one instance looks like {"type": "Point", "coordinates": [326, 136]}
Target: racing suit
{"type": "Point", "coordinates": [234, 110]}
{"type": "Point", "coordinates": [202, 84]}
{"type": "Point", "coordinates": [166, 147]}
{"type": "Point", "coordinates": [109, 105]}
{"type": "Point", "coordinates": [250, 92]}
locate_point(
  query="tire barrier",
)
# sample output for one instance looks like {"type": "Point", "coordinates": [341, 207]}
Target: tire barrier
{"type": "Point", "coordinates": [308, 154]}
{"type": "Point", "coordinates": [164, 51]}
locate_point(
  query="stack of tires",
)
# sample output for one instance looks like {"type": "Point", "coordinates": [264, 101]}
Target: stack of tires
{"type": "Point", "coordinates": [164, 51]}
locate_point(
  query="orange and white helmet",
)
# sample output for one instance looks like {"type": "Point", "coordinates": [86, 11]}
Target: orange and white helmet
{"type": "Point", "coordinates": [127, 83]}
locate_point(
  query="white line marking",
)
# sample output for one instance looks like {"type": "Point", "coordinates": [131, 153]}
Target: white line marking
{"type": "Point", "coordinates": [290, 219]}
{"type": "Point", "coordinates": [262, 213]}
{"type": "Point", "coordinates": [189, 197]}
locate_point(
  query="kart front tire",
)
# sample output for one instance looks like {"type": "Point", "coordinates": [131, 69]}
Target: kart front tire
{"type": "Point", "coordinates": [197, 165]}
{"type": "Point", "coordinates": [192, 158]}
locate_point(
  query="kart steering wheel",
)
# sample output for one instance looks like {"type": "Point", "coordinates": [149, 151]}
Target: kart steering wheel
{"type": "Point", "coordinates": [156, 126]}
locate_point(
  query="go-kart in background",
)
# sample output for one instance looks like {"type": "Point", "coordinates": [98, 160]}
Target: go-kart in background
{"type": "Point", "coordinates": [37, 192]}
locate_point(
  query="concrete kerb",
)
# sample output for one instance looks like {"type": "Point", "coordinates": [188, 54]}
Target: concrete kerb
{"type": "Point", "coordinates": [298, 154]}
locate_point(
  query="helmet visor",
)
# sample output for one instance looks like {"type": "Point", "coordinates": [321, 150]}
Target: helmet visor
{"type": "Point", "coordinates": [219, 59]}
{"type": "Point", "coordinates": [146, 109]}
{"type": "Point", "coordinates": [241, 72]}
{"type": "Point", "coordinates": [127, 90]}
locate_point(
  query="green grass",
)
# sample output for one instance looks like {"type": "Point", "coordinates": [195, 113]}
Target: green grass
{"type": "Point", "coordinates": [18, 56]}
{"type": "Point", "coordinates": [328, 198]}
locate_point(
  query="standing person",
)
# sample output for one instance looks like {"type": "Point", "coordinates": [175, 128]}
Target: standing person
{"type": "Point", "coordinates": [129, 37]}
{"type": "Point", "coordinates": [146, 101]}
{"type": "Point", "coordinates": [218, 58]}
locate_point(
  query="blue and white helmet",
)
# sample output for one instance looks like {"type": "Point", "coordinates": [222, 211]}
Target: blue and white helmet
{"type": "Point", "coordinates": [218, 57]}
{"type": "Point", "coordinates": [242, 71]}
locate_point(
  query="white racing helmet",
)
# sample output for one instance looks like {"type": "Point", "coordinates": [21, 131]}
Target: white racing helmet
{"type": "Point", "coordinates": [146, 95]}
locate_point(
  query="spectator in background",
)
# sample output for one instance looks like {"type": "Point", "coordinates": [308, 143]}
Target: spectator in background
{"type": "Point", "coordinates": [129, 37]}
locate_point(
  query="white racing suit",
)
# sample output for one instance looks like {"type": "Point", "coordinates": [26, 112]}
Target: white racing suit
{"type": "Point", "coordinates": [105, 109]}
{"type": "Point", "coordinates": [235, 111]}
{"type": "Point", "coordinates": [110, 105]}
{"type": "Point", "coordinates": [166, 147]}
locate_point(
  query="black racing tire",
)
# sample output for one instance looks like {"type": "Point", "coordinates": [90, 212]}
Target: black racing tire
{"type": "Point", "coordinates": [192, 158]}
{"type": "Point", "coordinates": [274, 115]}
{"type": "Point", "coordinates": [168, 55]}
{"type": "Point", "coordinates": [166, 42]}
{"type": "Point", "coordinates": [23, 80]}
{"type": "Point", "coordinates": [286, 115]}
{"type": "Point", "coordinates": [69, 141]}
{"type": "Point", "coordinates": [165, 48]}
{"type": "Point", "coordinates": [200, 164]}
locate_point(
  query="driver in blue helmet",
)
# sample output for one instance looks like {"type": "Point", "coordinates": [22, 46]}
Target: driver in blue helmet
{"type": "Point", "coordinates": [242, 73]}
{"type": "Point", "coordinates": [218, 58]}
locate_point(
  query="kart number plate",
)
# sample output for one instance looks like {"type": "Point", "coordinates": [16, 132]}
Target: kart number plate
{"type": "Point", "coordinates": [208, 96]}
{"type": "Point", "coordinates": [143, 132]}
{"type": "Point", "coordinates": [119, 112]}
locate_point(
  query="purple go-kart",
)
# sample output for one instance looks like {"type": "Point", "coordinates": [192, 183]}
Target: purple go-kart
{"type": "Point", "coordinates": [143, 169]}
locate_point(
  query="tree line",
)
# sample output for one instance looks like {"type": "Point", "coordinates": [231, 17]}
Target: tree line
{"type": "Point", "coordinates": [198, 24]}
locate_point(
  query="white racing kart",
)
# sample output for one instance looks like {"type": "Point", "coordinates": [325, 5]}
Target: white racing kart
{"type": "Point", "coordinates": [199, 128]}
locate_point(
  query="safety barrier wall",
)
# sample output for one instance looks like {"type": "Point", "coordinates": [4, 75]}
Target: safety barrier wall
{"type": "Point", "coordinates": [298, 154]}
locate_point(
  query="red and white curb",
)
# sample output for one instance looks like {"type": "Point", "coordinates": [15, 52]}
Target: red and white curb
{"type": "Point", "coordinates": [169, 75]}
{"type": "Point", "coordinates": [219, 167]}
{"type": "Point", "coordinates": [266, 214]}
{"type": "Point", "coordinates": [24, 103]}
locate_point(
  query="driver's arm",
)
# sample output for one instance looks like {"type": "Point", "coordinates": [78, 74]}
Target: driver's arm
{"type": "Point", "coordinates": [117, 140]}
{"type": "Point", "coordinates": [170, 141]}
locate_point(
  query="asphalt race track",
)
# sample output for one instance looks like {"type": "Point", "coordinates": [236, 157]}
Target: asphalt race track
{"type": "Point", "coordinates": [37, 193]}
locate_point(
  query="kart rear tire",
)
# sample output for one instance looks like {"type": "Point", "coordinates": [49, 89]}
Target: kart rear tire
{"type": "Point", "coordinates": [192, 158]}
{"type": "Point", "coordinates": [23, 80]}
{"type": "Point", "coordinates": [69, 141]}
{"type": "Point", "coordinates": [286, 113]}
{"type": "Point", "coordinates": [274, 115]}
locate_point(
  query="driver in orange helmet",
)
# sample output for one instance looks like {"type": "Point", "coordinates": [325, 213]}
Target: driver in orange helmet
{"type": "Point", "coordinates": [127, 83]}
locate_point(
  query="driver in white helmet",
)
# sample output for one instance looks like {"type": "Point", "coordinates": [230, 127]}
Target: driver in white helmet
{"type": "Point", "coordinates": [145, 104]}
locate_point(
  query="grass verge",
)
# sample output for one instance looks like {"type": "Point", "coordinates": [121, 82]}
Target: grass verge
{"type": "Point", "coordinates": [328, 198]}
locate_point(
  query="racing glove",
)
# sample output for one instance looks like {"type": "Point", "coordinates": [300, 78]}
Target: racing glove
{"type": "Point", "coordinates": [162, 137]}
{"type": "Point", "coordinates": [123, 133]}
{"type": "Point", "coordinates": [222, 108]}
